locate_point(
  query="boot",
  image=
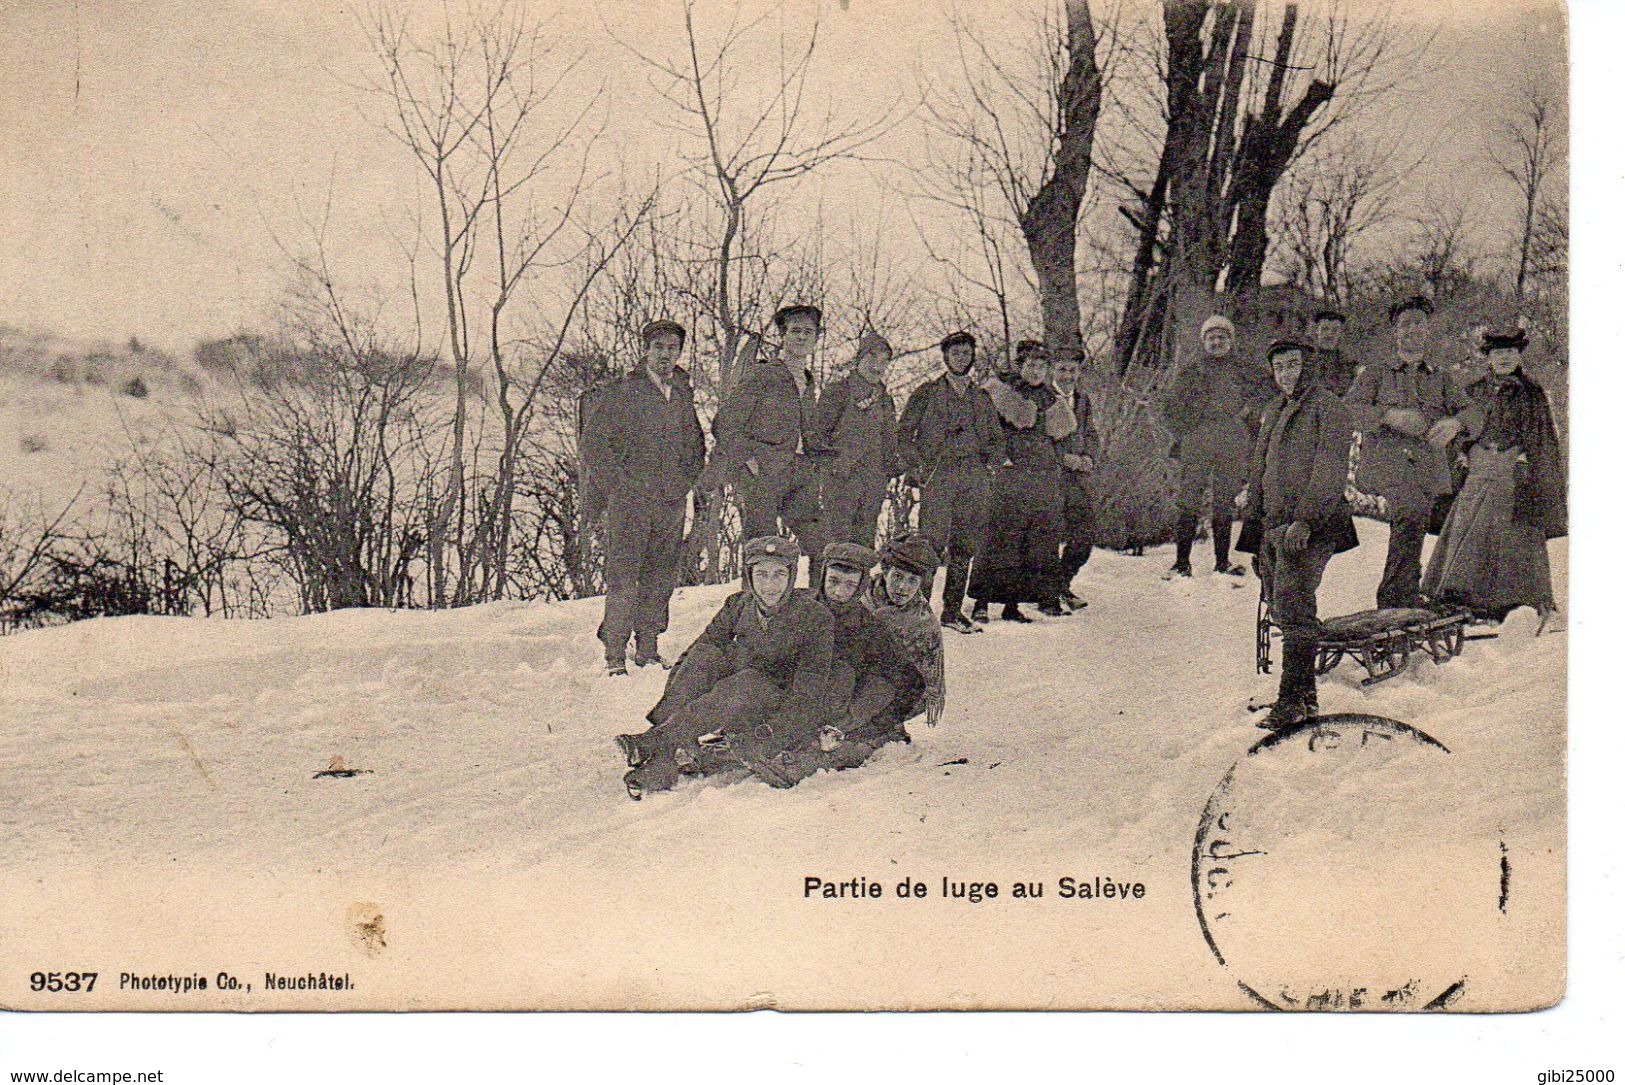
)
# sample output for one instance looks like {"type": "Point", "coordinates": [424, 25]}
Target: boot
{"type": "Point", "coordinates": [648, 653]}
{"type": "Point", "coordinates": [1297, 700]}
{"type": "Point", "coordinates": [1221, 548]}
{"type": "Point", "coordinates": [978, 612]}
{"type": "Point", "coordinates": [1052, 609]}
{"type": "Point", "coordinates": [953, 584]}
{"type": "Point", "coordinates": [953, 619]}
{"type": "Point", "coordinates": [1012, 613]}
{"type": "Point", "coordinates": [1184, 535]}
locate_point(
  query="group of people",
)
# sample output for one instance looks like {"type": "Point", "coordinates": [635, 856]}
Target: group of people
{"type": "Point", "coordinates": [1400, 431]}
{"type": "Point", "coordinates": [816, 465]}
{"type": "Point", "coordinates": [785, 681]}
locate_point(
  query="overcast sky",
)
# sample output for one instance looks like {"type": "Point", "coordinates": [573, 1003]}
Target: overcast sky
{"type": "Point", "coordinates": [154, 152]}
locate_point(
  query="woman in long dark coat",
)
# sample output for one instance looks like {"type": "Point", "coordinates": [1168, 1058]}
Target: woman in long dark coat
{"type": "Point", "coordinates": [1023, 542]}
{"type": "Point", "coordinates": [1491, 554]}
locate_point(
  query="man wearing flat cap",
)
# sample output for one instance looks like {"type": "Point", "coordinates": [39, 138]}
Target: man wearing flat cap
{"type": "Point", "coordinates": [1210, 411]}
{"type": "Point", "coordinates": [1408, 412]}
{"type": "Point", "coordinates": [1297, 511]}
{"type": "Point", "coordinates": [1336, 368]}
{"type": "Point", "coordinates": [857, 420]}
{"type": "Point", "coordinates": [950, 440]}
{"type": "Point", "coordinates": [647, 449]}
{"type": "Point", "coordinates": [765, 433]}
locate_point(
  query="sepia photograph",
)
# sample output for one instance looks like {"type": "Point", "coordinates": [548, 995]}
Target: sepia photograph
{"type": "Point", "coordinates": [784, 504]}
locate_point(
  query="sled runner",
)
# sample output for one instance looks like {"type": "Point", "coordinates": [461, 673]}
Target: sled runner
{"type": "Point", "coordinates": [1381, 641]}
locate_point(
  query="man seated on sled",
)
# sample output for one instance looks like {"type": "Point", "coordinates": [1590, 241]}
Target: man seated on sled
{"type": "Point", "coordinates": [767, 651]}
{"type": "Point", "coordinates": [874, 686]}
{"type": "Point", "coordinates": [1294, 506]}
{"type": "Point", "coordinates": [898, 598]}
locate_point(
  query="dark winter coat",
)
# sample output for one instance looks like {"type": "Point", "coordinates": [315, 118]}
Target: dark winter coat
{"type": "Point", "coordinates": [1211, 410]}
{"type": "Point", "coordinates": [1516, 414]}
{"type": "Point", "coordinates": [940, 425]}
{"type": "Point", "coordinates": [642, 444]}
{"type": "Point", "coordinates": [793, 646]}
{"type": "Point", "coordinates": [1300, 467]}
{"type": "Point", "coordinates": [1035, 420]}
{"type": "Point", "coordinates": [1393, 463]}
{"type": "Point", "coordinates": [1336, 369]}
{"type": "Point", "coordinates": [878, 660]}
{"type": "Point", "coordinates": [763, 417]}
{"type": "Point", "coordinates": [1084, 441]}
{"type": "Point", "coordinates": [858, 420]}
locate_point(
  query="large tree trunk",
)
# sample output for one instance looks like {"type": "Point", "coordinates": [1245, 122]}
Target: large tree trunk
{"type": "Point", "coordinates": [1049, 223]}
{"type": "Point", "coordinates": [1268, 143]}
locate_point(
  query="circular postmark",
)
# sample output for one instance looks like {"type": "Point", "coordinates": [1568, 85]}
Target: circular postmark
{"type": "Point", "coordinates": [1343, 864]}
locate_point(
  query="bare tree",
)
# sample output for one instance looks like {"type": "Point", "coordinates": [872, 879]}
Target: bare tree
{"type": "Point", "coordinates": [1236, 117]}
{"type": "Point", "coordinates": [1529, 153]}
{"type": "Point", "coordinates": [750, 143]}
{"type": "Point", "coordinates": [1329, 200]}
{"type": "Point", "coordinates": [1014, 156]}
{"type": "Point", "coordinates": [29, 536]}
{"type": "Point", "coordinates": [479, 101]}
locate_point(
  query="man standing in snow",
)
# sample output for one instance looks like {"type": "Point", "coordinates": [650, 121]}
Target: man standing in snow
{"type": "Point", "coordinates": [647, 448]}
{"type": "Point", "coordinates": [1210, 411]}
{"type": "Point", "coordinates": [1337, 370]}
{"type": "Point", "coordinates": [950, 442]}
{"type": "Point", "coordinates": [1078, 454]}
{"type": "Point", "coordinates": [1019, 558]}
{"type": "Point", "coordinates": [1408, 412]}
{"type": "Point", "coordinates": [1295, 493]}
{"type": "Point", "coordinates": [857, 420]}
{"type": "Point", "coordinates": [763, 431]}
{"type": "Point", "coordinates": [767, 651]}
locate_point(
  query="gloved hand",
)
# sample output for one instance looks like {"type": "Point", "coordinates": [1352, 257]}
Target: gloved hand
{"type": "Point", "coordinates": [1296, 539]}
{"type": "Point", "coordinates": [1443, 432]}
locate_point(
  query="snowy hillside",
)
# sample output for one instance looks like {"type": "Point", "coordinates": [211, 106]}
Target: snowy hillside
{"type": "Point", "coordinates": [157, 785]}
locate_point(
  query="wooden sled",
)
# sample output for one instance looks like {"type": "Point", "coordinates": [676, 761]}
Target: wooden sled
{"type": "Point", "coordinates": [1380, 641]}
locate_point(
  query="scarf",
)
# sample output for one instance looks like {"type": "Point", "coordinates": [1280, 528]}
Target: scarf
{"type": "Point", "coordinates": [920, 632]}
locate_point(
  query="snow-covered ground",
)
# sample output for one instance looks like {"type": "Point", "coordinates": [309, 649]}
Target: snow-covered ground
{"type": "Point", "coordinates": [158, 809]}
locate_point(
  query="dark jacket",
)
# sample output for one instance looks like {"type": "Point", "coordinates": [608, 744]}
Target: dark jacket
{"type": "Point", "coordinates": [1084, 441]}
{"type": "Point", "coordinates": [885, 673]}
{"type": "Point", "coordinates": [939, 425]}
{"type": "Point", "coordinates": [792, 646]}
{"type": "Point", "coordinates": [1516, 414]}
{"type": "Point", "coordinates": [1336, 370]}
{"type": "Point", "coordinates": [1389, 460]}
{"type": "Point", "coordinates": [763, 417]}
{"type": "Point", "coordinates": [858, 421]}
{"type": "Point", "coordinates": [643, 445]}
{"type": "Point", "coordinates": [1034, 419]}
{"type": "Point", "coordinates": [1299, 467]}
{"type": "Point", "coordinates": [1212, 407]}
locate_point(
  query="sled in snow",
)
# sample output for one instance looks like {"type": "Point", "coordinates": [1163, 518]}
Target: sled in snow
{"type": "Point", "coordinates": [1381, 641]}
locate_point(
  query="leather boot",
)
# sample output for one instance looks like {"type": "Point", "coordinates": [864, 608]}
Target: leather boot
{"type": "Point", "coordinates": [1184, 535]}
